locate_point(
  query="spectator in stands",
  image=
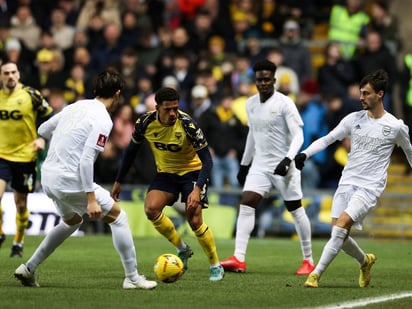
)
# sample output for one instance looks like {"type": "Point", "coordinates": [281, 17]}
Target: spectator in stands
{"type": "Point", "coordinates": [107, 11]}
{"type": "Point", "coordinates": [253, 47]}
{"type": "Point", "coordinates": [63, 33]}
{"type": "Point", "coordinates": [216, 55]}
{"type": "Point", "coordinates": [285, 76]}
{"type": "Point", "coordinates": [377, 56]}
{"type": "Point", "coordinates": [182, 71]}
{"type": "Point", "coordinates": [128, 67]}
{"type": "Point", "coordinates": [270, 21]}
{"type": "Point", "coordinates": [76, 84]}
{"type": "Point", "coordinates": [242, 71]}
{"type": "Point", "coordinates": [337, 73]}
{"type": "Point", "coordinates": [13, 52]}
{"type": "Point", "coordinates": [181, 44]}
{"type": "Point", "coordinates": [109, 51]}
{"type": "Point", "coordinates": [71, 9]}
{"type": "Point", "coordinates": [200, 30]}
{"type": "Point", "coordinates": [214, 88]}
{"type": "Point", "coordinates": [347, 26]}
{"type": "Point", "coordinates": [130, 28]}
{"type": "Point", "coordinates": [387, 24]}
{"type": "Point", "coordinates": [296, 55]}
{"type": "Point", "coordinates": [226, 137]}
{"type": "Point", "coordinates": [25, 28]}
{"type": "Point", "coordinates": [44, 79]}
{"type": "Point", "coordinates": [241, 94]}
{"type": "Point", "coordinates": [56, 100]}
{"type": "Point", "coordinates": [312, 111]}
{"type": "Point", "coordinates": [144, 88]}
{"type": "Point", "coordinates": [405, 79]}
{"type": "Point", "coordinates": [148, 51]}
{"type": "Point", "coordinates": [240, 24]}
{"type": "Point", "coordinates": [200, 102]}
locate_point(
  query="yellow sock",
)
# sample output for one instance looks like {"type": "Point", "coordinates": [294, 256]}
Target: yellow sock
{"type": "Point", "coordinates": [205, 238]}
{"type": "Point", "coordinates": [1, 220]}
{"type": "Point", "coordinates": [22, 221]}
{"type": "Point", "coordinates": [165, 227]}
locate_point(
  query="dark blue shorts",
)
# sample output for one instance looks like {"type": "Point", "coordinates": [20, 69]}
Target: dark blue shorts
{"type": "Point", "coordinates": [21, 174]}
{"type": "Point", "coordinates": [179, 185]}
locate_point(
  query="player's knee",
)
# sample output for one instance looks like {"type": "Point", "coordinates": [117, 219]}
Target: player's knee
{"type": "Point", "coordinates": [152, 212]}
{"type": "Point", "coordinates": [112, 214]}
{"type": "Point", "coordinates": [76, 219]}
{"type": "Point", "coordinates": [293, 205]}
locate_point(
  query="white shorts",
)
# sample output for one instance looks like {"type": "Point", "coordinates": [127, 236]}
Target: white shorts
{"type": "Point", "coordinates": [355, 201]}
{"type": "Point", "coordinates": [69, 203]}
{"type": "Point", "coordinates": [288, 186]}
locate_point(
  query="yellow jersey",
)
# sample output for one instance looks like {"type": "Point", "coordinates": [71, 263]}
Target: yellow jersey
{"type": "Point", "coordinates": [19, 112]}
{"type": "Point", "coordinates": [174, 147]}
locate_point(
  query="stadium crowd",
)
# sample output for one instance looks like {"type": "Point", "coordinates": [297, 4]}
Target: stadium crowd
{"type": "Point", "coordinates": [205, 49]}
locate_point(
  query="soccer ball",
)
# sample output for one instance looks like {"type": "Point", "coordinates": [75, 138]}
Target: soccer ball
{"type": "Point", "coordinates": [168, 268]}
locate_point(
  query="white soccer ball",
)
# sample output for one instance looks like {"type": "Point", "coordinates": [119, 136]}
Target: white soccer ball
{"type": "Point", "coordinates": [168, 268]}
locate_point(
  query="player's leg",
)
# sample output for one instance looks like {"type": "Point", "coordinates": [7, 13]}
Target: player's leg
{"type": "Point", "coordinates": [70, 222]}
{"type": "Point", "coordinates": [22, 221]}
{"type": "Point", "coordinates": [122, 241]}
{"type": "Point", "coordinates": [340, 231]}
{"type": "Point", "coordinates": [303, 229]}
{"type": "Point", "coordinates": [22, 182]}
{"type": "Point", "coordinates": [256, 186]}
{"type": "Point", "coordinates": [203, 233]}
{"type": "Point", "coordinates": [359, 206]}
{"type": "Point", "coordinates": [291, 191]}
{"type": "Point", "coordinates": [163, 191]}
{"type": "Point", "coordinates": [3, 186]}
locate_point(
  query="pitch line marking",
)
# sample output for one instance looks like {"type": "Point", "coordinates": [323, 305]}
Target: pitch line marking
{"type": "Point", "coordinates": [366, 301]}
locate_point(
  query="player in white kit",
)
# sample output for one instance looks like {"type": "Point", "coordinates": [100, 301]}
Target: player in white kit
{"type": "Point", "coordinates": [78, 134]}
{"type": "Point", "coordinates": [275, 137]}
{"type": "Point", "coordinates": [374, 133]}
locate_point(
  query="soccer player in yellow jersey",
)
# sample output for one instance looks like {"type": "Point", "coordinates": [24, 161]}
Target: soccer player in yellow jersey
{"type": "Point", "coordinates": [183, 163]}
{"type": "Point", "coordinates": [22, 109]}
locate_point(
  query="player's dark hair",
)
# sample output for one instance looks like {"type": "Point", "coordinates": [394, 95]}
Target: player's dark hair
{"type": "Point", "coordinates": [264, 65]}
{"type": "Point", "coordinates": [107, 84]}
{"type": "Point", "coordinates": [166, 94]}
{"type": "Point", "coordinates": [377, 79]}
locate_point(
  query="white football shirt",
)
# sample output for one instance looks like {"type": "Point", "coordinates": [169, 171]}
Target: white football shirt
{"type": "Point", "coordinates": [372, 144]}
{"type": "Point", "coordinates": [275, 131]}
{"type": "Point", "coordinates": [78, 128]}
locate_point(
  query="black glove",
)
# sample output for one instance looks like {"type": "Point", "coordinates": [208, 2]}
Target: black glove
{"type": "Point", "coordinates": [300, 160]}
{"type": "Point", "coordinates": [241, 175]}
{"type": "Point", "coordinates": [283, 167]}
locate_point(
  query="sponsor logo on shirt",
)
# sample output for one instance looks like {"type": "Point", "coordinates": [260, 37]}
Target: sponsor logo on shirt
{"type": "Point", "coordinates": [101, 141]}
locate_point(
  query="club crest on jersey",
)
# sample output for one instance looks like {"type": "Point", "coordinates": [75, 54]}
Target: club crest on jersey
{"type": "Point", "coordinates": [101, 141]}
{"type": "Point", "coordinates": [178, 135]}
{"type": "Point", "coordinates": [386, 130]}
{"type": "Point", "coordinates": [199, 134]}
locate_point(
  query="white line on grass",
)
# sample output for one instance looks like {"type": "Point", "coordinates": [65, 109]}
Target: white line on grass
{"type": "Point", "coordinates": [366, 301]}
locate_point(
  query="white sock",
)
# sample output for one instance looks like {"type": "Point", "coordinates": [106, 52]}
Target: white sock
{"type": "Point", "coordinates": [351, 247]}
{"type": "Point", "coordinates": [331, 249]}
{"type": "Point", "coordinates": [302, 225]}
{"type": "Point", "coordinates": [244, 227]}
{"type": "Point", "coordinates": [52, 240]}
{"type": "Point", "coordinates": [123, 243]}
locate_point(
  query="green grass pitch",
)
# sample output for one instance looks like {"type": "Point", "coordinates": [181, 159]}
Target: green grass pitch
{"type": "Point", "coordinates": [85, 272]}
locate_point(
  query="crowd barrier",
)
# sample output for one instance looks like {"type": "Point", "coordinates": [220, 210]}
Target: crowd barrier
{"type": "Point", "coordinates": [220, 216]}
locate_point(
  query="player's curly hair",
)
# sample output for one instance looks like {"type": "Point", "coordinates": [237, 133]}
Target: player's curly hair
{"type": "Point", "coordinates": [264, 65]}
{"type": "Point", "coordinates": [108, 83]}
{"type": "Point", "coordinates": [377, 79]}
{"type": "Point", "coordinates": [166, 94]}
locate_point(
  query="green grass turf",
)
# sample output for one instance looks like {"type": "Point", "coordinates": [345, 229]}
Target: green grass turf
{"type": "Point", "coordinates": [85, 272]}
